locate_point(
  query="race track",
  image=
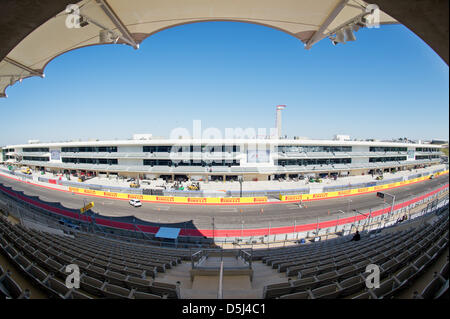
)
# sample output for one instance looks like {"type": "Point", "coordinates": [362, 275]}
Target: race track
{"type": "Point", "coordinates": [233, 217]}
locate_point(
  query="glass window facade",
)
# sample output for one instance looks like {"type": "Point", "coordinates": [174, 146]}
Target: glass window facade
{"type": "Point", "coordinates": [157, 148]}
{"type": "Point", "coordinates": [427, 149]}
{"type": "Point", "coordinates": [108, 161]}
{"type": "Point", "coordinates": [36, 150]}
{"type": "Point", "coordinates": [89, 149]}
{"type": "Point", "coordinates": [163, 162]}
{"type": "Point", "coordinates": [35, 158]}
{"type": "Point", "coordinates": [387, 159]}
{"type": "Point", "coordinates": [313, 161]}
{"type": "Point", "coordinates": [307, 149]}
{"type": "Point", "coordinates": [387, 149]}
{"type": "Point", "coordinates": [421, 157]}
{"type": "Point", "coordinates": [191, 148]}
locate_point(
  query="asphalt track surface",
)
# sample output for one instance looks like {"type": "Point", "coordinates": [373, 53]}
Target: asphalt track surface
{"type": "Point", "coordinates": [234, 216]}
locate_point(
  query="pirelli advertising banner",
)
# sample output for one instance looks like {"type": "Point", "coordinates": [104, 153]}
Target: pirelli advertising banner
{"type": "Point", "coordinates": [348, 192]}
{"type": "Point", "coordinates": [173, 199]}
{"type": "Point", "coordinates": [246, 200]}
{"type": "Point", "coordinates": [441, 173]}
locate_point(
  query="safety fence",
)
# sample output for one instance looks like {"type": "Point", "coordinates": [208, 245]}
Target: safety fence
{"type": "Point", "coordinates": [244, 200]}
{"type": "Point", "coordinates": [363, 185]}
{"type": "Point", "coordinates": [356, 191]}
{"type": "Point", "coordinates": [208, 194]}
{"type": "Point", "coordinates": [131, 226]}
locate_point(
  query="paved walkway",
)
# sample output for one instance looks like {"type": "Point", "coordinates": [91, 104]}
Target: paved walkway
{"type": "Point", "coordinates": [234, 287]}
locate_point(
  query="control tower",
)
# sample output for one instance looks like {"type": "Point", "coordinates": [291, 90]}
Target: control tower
{"type": "Point", "coordinates": [278, 119]}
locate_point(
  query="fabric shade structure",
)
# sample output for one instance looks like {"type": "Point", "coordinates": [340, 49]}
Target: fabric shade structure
{"type": "Point", "coordinates": [168, 233]}
{"type": "Point", "coordinates": [92, 22]}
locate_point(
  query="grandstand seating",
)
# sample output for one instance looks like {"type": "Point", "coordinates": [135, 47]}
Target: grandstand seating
{"type": "Point", "coordinates": [334, 268]}
{"type": "Point", "coordinates": [108, 269]}
{"type": "Point", "coordinates": [437, 287]}
{"type": "Point", "coordinates": [337, 268]}
{"type": "Point", "coordinates": [9, 289]}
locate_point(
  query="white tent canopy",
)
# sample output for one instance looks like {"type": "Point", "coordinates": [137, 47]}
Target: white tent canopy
{"type": "Point", "coordinates": [129, 22]}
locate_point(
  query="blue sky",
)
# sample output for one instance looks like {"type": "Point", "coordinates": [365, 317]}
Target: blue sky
{"type": "Point", "coordinates": [387, 84]}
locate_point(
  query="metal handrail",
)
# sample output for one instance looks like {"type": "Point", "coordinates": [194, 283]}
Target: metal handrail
{"type": "Point", "coordinates": [195, 260]}
{"type": "Point", "coordinates": [246, 256]}
{"type": "Point", "coordinates": [220, 292]}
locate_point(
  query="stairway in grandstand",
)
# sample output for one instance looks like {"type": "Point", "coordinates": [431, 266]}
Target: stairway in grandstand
{"type": "Point", "coordinates": [412, 257]}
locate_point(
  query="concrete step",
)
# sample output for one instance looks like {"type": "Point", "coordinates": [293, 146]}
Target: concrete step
{"type": "Point", "coordinates": [227, 262]}
{"type": "Point", "coordinates": [236, 286]}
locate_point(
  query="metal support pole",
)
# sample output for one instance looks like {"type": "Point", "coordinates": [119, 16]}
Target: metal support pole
{"type": "Point", "coordinates": [213, 228]}
{"type": "Point", "coordinates": [337, 224]}
{"type": "Point", "coordinates": [393, 203]}
{"type": "Point", "coordinates": [317, 226]}
{"type": "Point", "coordinates": [240, 178]}
{"type": "Point", "coordinates": [318, 35]}
{"type": "Point", "coordinates": [20, 215]}
{"type": "Point", "coordinates": [24, 67]}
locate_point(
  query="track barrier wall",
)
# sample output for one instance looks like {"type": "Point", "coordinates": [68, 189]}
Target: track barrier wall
{"type": "Point", "coordinates": [357, 191]}
{"type": "Point", "coordinates": [316, 228]}
{"type": "Point", "coordinates": [275, 193]}
{"type": "Point", "coordinates": [236, 200]}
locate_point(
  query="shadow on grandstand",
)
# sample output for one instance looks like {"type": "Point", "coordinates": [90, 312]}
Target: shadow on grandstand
{"type": "Point", "coordinates": [123, 227]}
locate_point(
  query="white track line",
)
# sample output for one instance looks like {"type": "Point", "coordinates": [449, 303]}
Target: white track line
{"type": "Point", "coordinates": [229, 210]}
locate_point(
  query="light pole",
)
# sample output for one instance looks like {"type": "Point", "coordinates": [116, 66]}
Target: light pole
{"type": "Point", "coordinates": [240, 179]}
{"type": "Point", "coordinates": [391, 213]}
{"type": "Point", "coordinates": [381, 195]}
{"type": "Point", "coordinates": [354, 222]}
{"type": "Point", "coordinates": [317, 227]}
{"type": "Point", "coordinates": [20, 215]}
{"type": "Point", "coordinates": [370, 217]}
{"type": "Point", "coordinates": [337, 224]}
{"type": "Point", "coordinates": [213, 227]}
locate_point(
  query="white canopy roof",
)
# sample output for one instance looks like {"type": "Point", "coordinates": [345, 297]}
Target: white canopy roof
{"type": "Point", "coordinates": [187, 141]}
{"type": "Point", "coordinates": [130, 22]}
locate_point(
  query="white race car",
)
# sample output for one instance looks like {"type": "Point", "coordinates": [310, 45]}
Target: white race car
{"type": "Point", "coordinates": [135, 202]}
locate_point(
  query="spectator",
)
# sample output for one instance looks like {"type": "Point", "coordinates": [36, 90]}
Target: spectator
{"type": "Point", "coordinates": [403, 218]}
{"type": "Point", "coordinates": [356, 236]}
